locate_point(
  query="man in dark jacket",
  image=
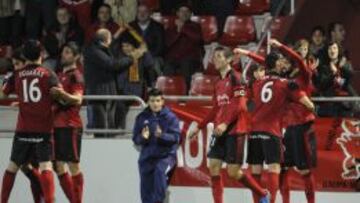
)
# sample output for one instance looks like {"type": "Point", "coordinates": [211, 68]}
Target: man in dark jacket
{"type": "Point", "coordinates": [157, 131]}
{"type": "Point", "coordinates": [101, 69]}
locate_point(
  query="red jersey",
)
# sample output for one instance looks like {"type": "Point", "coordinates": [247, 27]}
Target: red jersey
{"type": "Point", "coordinates": [32, 86]}
{"type": "Point", "coordinates": [270, 95]}
{"type": "Point", "coordinates": [229, 104]}
{"type": "Point", "coordinates": [69, 116]}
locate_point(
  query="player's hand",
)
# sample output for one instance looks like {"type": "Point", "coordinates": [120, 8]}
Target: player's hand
{"type": "Point", "coordinates": [56, 92]}
{"type": "Point", "coordinates": [158, 131]}
{"type": "Point", "coordinates": [275, 43]}
{"type": "Point", "coordinates": [241, 51]}
{"type": "Point", "coordinates": [145, 133]}
{"type": "Point", "coordinates": [220, 129]}
{"type": "Point", "coordinates": [194, 133]}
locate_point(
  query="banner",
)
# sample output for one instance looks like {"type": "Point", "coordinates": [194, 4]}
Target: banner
{"type": "Point", "coordinates": [338, 144]}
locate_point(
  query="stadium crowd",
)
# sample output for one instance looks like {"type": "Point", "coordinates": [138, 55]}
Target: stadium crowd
{"type": "Point", "coordinates": [125, 50]}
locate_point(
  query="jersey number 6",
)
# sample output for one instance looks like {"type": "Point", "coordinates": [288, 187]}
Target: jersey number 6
{"type": "Point", "coordinates": [266, 92]}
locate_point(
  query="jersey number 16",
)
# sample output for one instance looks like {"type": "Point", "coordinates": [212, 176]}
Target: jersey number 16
{"type": "Point", "coordinates": [31, 90]}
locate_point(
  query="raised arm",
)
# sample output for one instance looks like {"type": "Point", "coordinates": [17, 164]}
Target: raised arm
{"type": "Point", "coordinates": [254, 56]}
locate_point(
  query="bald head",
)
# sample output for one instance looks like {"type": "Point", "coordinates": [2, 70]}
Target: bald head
{"type": "Point", "coordinates": [103, 36]}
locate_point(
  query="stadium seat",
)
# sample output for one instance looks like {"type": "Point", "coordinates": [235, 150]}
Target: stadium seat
{"type": "Point", "coordinates": [203, 85]}
{"type": "Point", "coordinates": [154, 5]}
{"type": "Point", "coordinates": [238, 30]}
{"type": "Point", "coordinates": [171, 85]}
{"type": "Point", "coordinates": [279, 27]}
{"type": "Point", "coordinates": [166, 21]}
{"type": "Point", "coordinates": [252, 7]}
{"type": "Point", "coordinates": [209, 27]}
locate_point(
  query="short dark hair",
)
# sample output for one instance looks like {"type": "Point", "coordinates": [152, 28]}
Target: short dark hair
{"type": "Point", "coordinates": [318, 28]}
{"type": "Point", "coordinates": [73, 47]}
{"type": "Point", "coordinates": [18, 55]}
{"type": "Point", "coordinates": [154, 92]}
{"type": "Point", "coordinates": [271, 59]}
{"type": "Point", "coordinates": [226, 50]}
{"type": "Point", "coordinates": [106, 6]}
{"type": "Point", "coordinates": [31, 50]}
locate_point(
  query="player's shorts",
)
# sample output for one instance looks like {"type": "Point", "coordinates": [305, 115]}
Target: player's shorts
{"type": "Point", "coordinates": [67, 144]}
{"type": "Point", "coordinates": [29, 146]}
{"type": "Point", "coordinates": [300, 147]}
{"type": "Point", "coordinates": [228, 148]}
{"type": "Point", "coordinates": [263, 147]}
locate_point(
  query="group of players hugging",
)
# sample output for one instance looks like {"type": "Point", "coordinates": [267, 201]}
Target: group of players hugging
{"type": "Point", "coordinates": [273, 100]}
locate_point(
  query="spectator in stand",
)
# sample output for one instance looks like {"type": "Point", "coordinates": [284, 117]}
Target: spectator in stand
{"type": "Point", "coordinates": [104, 20]}
{"type": "Point", "coordinates": [318, 40]}
{"type": "Point", "coordinates": [51, 52]}
{"type": "Point", "coordinates": [334, 79]}
{"type": "Point", "coordinates": [302, 47]}
{"type": "Point", "coordinates": [66, 28]}
{"type": "Point", "coordinates": [40, 15]}
{"type": "Point", "coordinates": [337, 33]}
{"type": "Point", "coordinates": [11, 22]}
{"type": "Point", "coordinates": [138, 78]}
{"type": "Point", "coordinates": [101, 70]}
{"type": "Point", "coordinates": [184, 46]}
{"type": "Point", "coordinates": [80, 10]}
{"type": "Point", "coordinates": [153, 34]}
{"type": "Point", "coordinates": [124, 10]}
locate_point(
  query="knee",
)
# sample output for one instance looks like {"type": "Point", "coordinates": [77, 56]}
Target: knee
{"type": "Point", "coordinates": [234, 172]}
{"type": "Point", "coordinates": [304, 172]}
{"type": "Point", "coordinates": [46, 166]}
{"type": "Point", "coordinates": [12, 167]}
{"type": "Point", "coordinates": [60, 167]}
{"type": "Point", "coordinates": [74, 168]}
{"type": "Point", "coordinates": [275, 168]}
{"type": "Point", "coordinates": [256, 169]}
{"type": "Point", "coordinates": [215, 169]}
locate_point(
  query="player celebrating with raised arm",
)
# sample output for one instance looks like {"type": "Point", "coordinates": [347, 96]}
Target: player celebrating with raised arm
{"type": "Point", "coordinates": [68, 124]}
{"type": "Point", "coordinates": [157, 132]}
{"type": "Point", "coordinates": [229, 117]}
{"type": "Point", "coordinates": [269, 95]}
{"type": "Point", "coordinates": [32, 85]}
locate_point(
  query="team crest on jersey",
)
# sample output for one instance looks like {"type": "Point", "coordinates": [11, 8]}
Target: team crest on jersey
{"type": "Point", "coordinates": [146, 122]}
{"type": "Point", "coordinates": [223, 99]}
{"type": "Point", "coordinates": [349, 142]}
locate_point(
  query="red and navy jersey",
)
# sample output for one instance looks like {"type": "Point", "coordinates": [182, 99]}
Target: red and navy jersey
{"type": "Point", "coordinates": [69, 116]}
{"type": "Point", "coordinates": [229, 104]}
{"type": "Point", "coordinates": [32, 86]}
{"type": "Point", "coordinates": [270, 96]}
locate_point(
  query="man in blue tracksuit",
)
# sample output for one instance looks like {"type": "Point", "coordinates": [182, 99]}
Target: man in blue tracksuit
{"type": "Point", "coordinates": [157, 131]}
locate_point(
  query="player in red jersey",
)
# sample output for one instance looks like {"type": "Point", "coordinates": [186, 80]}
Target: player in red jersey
{"type": "Point", "coordinates": [269, 95]}
{"type": "Point", "coordinates": [68, 124]}
{"type": "Point", "coordinates": [32, 85]}
{"type": "Point", "coordinates": [299, 139]}
{"type": "Point", "coordinates": [230, 120]}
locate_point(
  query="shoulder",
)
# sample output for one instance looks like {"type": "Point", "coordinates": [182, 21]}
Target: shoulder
{"type": "Point", "coordinates": [76, 77]}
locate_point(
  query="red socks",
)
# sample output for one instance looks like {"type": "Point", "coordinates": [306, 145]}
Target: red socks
{"type": "Point", "coordinates": [249, 182]}
{"type": "Point", "coordinates": [256, 197]}
{"type": "Point", "coordinates": [47, 186]}
{"type": "Point", "coordinates": [309, 187]}
{"type": "Point", "coordinates": [285, 186]}
{"type": "Point", "coordinates": [217, 187]}
{"type": "Point", "coordinates": [78, 182]}
{"type": "Point", "coordinates": [273, 185]}
{"type": "Point", "coordinates": [7, 185]}
{"type": "Point", "coordinates": [34, 176]}
{"type": "Point", "coordinates": [67, 186]}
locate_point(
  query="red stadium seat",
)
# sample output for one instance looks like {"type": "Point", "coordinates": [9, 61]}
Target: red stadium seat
{"type": "Point", "coordinates": [203, 85]}
{"type": "Point", "coordinates": [152, 4]}
{"type": "Point", "coordinates": [209, 27]}
{"type": "Point", "coordinates": [279, 27]}
{"type": "Point", "coordinates": [166, 21]}
{"type": "Point", "coordinates": [251, 7]}
{"type": "Point", "coordinates": [171, 85]}
{"type": "Point", "coordinates": [238, 30]}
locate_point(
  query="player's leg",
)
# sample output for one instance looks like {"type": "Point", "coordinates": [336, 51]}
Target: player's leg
{"type": "Point", "coordinates": [306, 157]}
{"type": "Point", "coordinates": [33, 174]}
{"type": "Point", "coordinates": [146, 182]}
{"type": "Point", "coordinates": [255, 160]}
{"type": "Point", "coordinates": [62, 141]}
{"type": "Point", "coordinates": [216, 156]}
{"type": "Point", "coordinates": [235, 146]}
{"type": "Point", "coordinates": [44, 155]}
{"type": "Point", "coordinates": [161, 177]}
{"type": "Point", "coordinates": [288, 142]}
{"type": "Point", "coordinates": [272, 153]}
{"type": "Point", "coordinates": [74, 165]}
{"type": "Point", "coordinates": [19, 155]}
